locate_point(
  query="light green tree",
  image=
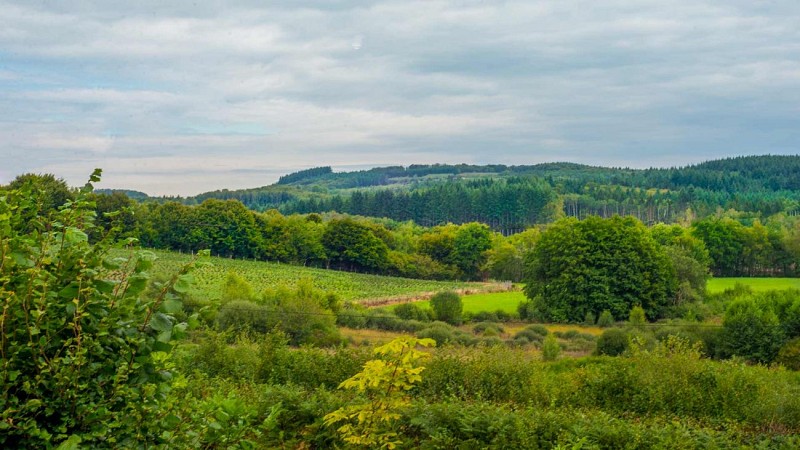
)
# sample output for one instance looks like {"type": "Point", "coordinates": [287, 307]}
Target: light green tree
{"type": "Point", "coordinates": [384, 386]}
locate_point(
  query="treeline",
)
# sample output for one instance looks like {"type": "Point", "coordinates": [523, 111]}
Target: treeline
{"type": "Point", "coordinates": [759, 185]}
{"type": "Point", "coordinates": [737, 243]}
{"type": "Point", "coordinates": [229, 229]}
{"type": "Point", "coordinates": [508, 206]}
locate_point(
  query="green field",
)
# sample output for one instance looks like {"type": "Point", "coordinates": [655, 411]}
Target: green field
{"type": "Point", "coordinates": [506, 301]}
{"type": "Point", "coordinates": [263, 275]}
{"type": "Point", "coordinates": [757, 284]}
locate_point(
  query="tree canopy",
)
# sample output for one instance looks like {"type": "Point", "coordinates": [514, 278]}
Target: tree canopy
{"type": "Point", "coordinates": [595, 265]}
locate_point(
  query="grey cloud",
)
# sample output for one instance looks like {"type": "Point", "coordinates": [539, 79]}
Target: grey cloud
{"type": "Point", "coordinates": [246, 87]}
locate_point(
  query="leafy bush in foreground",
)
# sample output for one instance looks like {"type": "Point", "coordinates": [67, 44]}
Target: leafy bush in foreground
{"type": "Point", "coordinates": [85, 355]}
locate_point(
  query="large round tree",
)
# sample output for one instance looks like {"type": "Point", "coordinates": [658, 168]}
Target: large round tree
{"type": "Point", "coordinates": [595, 265]}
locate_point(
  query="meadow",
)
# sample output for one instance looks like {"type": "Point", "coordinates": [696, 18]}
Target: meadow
{"type": "Point", "coordinates": [756, 284]}
{"type": "Point", "coordinates": [490, 301]}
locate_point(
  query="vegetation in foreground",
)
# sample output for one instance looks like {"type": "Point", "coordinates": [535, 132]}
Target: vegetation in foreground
{"type": "Point", "coordinates": [95, 354]}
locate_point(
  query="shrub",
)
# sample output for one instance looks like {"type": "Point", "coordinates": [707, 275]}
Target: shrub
{"type": "Point", "coordinates": [85, 352]}
{"type": "Point", "coordinates": [444, 333]}
{"type": "Point", "coordinates": [488, 329]}
{"type": "Point", "coordinates": [440, 332]}
{"type": "Point", "coordinates": [527, 311]}
{"type": "Point", "coordinates": [605, 320]}
{"type": "Point", "coordinates": [482, 316]}
{"type": "Point", "coordinates": [385, 383]}
{"type": "Point", "coordinates": [550, 348]}
{"type": "Point", "coordinates": [637, 316]}
{"type": "Point", "coordinates": [352, 315]}
{"type": "Point", "coordinates": [242, 315]}
{"type": "Point", "coordinates": [410, 311]}
{"type": "Point", "coordinates": [447, 307]}
{"type": "Point", "coordinates": [612, 342]}
{"type": "Point", "coordinates": [789, 355]}
{"type": "Point", "coordinates": [533, 334]}
{"type": "Point", "coordinates": [752, 331]}
{"type": "Point", "coordinates": [589, 319]}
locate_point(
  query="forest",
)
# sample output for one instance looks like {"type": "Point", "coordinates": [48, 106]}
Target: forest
{"type": "Point", "coordinates": [512, 198]}
{"type": "Point", "coordinates": [155, 323]}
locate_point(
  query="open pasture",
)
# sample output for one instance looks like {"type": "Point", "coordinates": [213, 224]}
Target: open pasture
{"type": "Point", "coordinates": [756, 284]}
{"type": "Point", "coordinates": [491, 301]}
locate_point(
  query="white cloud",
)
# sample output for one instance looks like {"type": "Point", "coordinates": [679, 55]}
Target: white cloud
{"type": "Point", "coordinates": [219, 88]}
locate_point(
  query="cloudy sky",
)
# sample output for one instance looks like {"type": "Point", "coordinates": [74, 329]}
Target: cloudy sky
{"type": "Point", "coordinates": [197, 96]}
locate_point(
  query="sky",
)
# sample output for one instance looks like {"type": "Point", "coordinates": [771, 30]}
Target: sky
{"type": "Point", "coordinates": [183, 97]}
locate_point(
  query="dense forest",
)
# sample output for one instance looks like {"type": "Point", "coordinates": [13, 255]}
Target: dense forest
{"type": "Point", "coordinates": [511, 198]}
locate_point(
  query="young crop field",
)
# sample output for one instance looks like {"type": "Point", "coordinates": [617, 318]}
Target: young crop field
{"type": "Point", "coordinates": [347, 285]}
{"type": "Point", "coordinates": [756, 284]}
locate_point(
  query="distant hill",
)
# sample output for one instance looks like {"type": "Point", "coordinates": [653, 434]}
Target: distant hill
{"type": "Point", "coordinates": [135, 195]}
{"type": "Point", "coordinates": [510, 198]}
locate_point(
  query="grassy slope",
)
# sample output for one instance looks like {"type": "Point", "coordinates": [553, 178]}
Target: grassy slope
{"type": "Point", "coordinates": [263, 275]}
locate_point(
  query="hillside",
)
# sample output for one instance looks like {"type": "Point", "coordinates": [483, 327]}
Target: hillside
{"type": "Point", "coordinates": [363, 288]}
{"type": "Point", "coordinates": [511, 198]}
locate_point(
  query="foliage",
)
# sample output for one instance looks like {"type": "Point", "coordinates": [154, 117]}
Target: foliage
{"type": "Point", "coordinates": [789, 354]}
{"type": "Point", "coordinates": [637, 316]}
{"type": "Point", "coordinates": [84, 353]}
{"type": "Point", "coordinates": [471, 244]}
{"type": "Point", "coordinates": [411, 311]}
{"type": "Point", "coordinates": [606, 319]}
{"type": "Point", "coordinates": [47, 192]}
{"type": "Point", "coordinates": [447, 307]}
{"type": "Point", "coordinates": [751, 329]}
{"type": "Point", "coordinates": [597, 264]}
{"type": "Point", "coordinates": [613, 342]}
{"type": "Point", "coordinates": [351, 245]}
{"type": "Point", "coordinates": [384, 383]}
{"type": "Point", "coordinates": [443, 334]}
{"type": "Point", "coordinates": [236, 288]}
{"type": "Point", "coordinates": [551, 350]}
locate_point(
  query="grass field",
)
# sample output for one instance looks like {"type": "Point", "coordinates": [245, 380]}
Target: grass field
{"type": "Point", "coordinates": [757, 284]}
{"type": "Point", "coordinates": [506, 301]}
{"type": "Point", "coordinates": [263, 275]}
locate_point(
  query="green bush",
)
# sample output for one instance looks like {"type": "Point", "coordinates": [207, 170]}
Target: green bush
{"type": "Point", "coordinates": [612, 342]}
{"type": "Point", "coordinates": [410, 311]}
{"type": "Point", "coordinates": [488, 329]}
{"type": "Point", "coordinates": [352, 315]}
{"type": "Point", "coordinates": [551, 350]}
{"type": "Point", "coordinates": [789, 355]}
{"type": "Point", "coordinates": [444, 333]}
{"type": "Point", "coordinates": [447, 307]}
{"type": "Point", "coordinates": [589, 320]}
{"type": "Point", "coordinates": [605, 320]}
{"type": "Point", "coordinates": [85, 354]}
{"type": "Point", "coordinates": [242, 315]}
{"type": "Point", "coordinates": [751, 330]}
{"type": "Point", "coordinates": [526, 310]}
{"type": "Point", "coordinates": [533, 334]}
{"type": "Point", "coordinates": [637, 316]}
